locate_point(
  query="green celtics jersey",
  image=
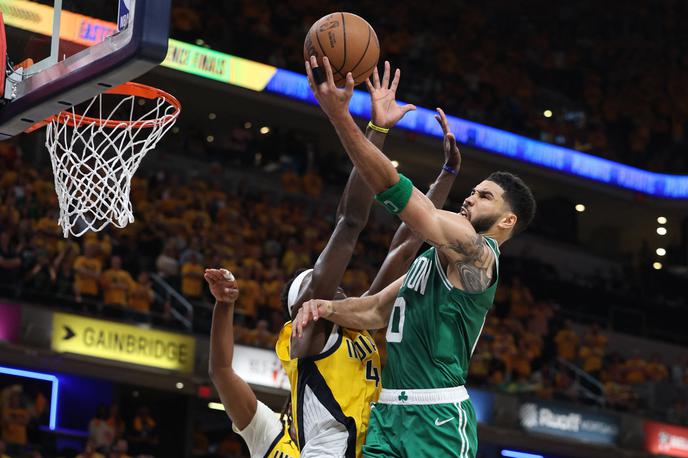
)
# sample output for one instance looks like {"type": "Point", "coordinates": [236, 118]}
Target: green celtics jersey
{"type": "Point", "coordinates": [434, 327]}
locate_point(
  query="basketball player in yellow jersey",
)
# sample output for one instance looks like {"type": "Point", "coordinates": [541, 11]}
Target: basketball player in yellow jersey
{"type": "Point", "coordinates": [263, 432]}
{"type": "Point", "coordinates": [335, 372]}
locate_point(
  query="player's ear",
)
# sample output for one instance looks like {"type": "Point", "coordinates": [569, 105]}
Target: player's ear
{"type": "Point", "coordinates": [508, 221]}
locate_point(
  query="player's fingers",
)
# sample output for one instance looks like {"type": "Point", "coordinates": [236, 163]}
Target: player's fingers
{"type": "Point", "coordinates": [385, 76]}
{"type": "Point", "coordinates": [395, 81]}
{"type": "Point", "coordinates": [309, 75]}
{"type": "Point", "coordinates": [376, 78]}
{"type": "Point", "coordinates": [443, 119]}
{"type": "Point", "coordinates": [314, 310]}
{"type": "Point", "coordinates": [408, 107]}
{"type": "Point", "coordinates": [317, 73]}
{"type": "Point", "coordinates": [369, 85]}
{"type": "Point", "coordinates": [349, 86]}
{"type": "Point", "coordinates": [328, 72]}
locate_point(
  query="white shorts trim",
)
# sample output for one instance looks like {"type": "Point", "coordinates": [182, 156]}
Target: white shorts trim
{"type": "Point", "coordinates": [420, 397]}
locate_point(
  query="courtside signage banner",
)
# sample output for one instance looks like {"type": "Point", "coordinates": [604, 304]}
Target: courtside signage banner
{"type": "Point", "coordinates": [668, 440]}
{"type": "Point", "coordinates": [563, 421]}
{"type": "Point", "coordinates": [123, 342]}
{"type": "Point", "coordinates": [259, 367]}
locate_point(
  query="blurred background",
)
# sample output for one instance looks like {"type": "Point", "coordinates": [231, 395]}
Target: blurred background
{"type": "Point", "coordinates": [584, 353]}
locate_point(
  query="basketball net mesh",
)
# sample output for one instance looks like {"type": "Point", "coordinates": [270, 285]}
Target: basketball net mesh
{"type": "Point", "coordinates": [93, 164]}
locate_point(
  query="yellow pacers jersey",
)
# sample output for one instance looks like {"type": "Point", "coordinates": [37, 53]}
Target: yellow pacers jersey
{"type": "Point", "coordinates": [345, 379]}
{"type": "Point", "coordinates": [283, 447]}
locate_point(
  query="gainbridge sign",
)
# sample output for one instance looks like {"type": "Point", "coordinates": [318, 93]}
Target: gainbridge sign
{"type": "Point", "coordinates": [122, 342]}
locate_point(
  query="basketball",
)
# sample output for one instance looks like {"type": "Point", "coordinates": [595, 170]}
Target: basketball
{"type": "Point", "coordinates": [348, 41]}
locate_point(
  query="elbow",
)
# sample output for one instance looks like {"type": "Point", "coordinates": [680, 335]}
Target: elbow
{"type": "Point", "coordinates": [352, 223]}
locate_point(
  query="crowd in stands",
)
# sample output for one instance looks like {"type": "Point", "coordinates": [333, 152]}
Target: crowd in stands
{"type": "Point", "coordinates": [613, 80]}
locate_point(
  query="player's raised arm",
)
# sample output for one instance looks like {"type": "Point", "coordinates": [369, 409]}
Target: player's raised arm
{"type": "Point", "coordinates": [362, 313]}
{"type": "Point", "coordinates": [405, 244]}
{"type": "Point", "coordinates": [239, 400]}
{"type": "Point", "coordinates": [450, 232]}
{"type": "Point", "coordinates": [352, 212]}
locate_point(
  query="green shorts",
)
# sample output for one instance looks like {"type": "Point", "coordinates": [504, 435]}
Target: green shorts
{"type": "Point", "coordinates": [425, 430]}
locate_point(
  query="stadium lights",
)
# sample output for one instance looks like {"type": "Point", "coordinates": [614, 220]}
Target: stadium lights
{"type": "Point", "coordinates": [200, 42]}
{"type": "Point", "coordinates": [580, 208]}
{"type": "Point", "coordinates": [547, 113]}
{"type": "Point", "coordinates": [265, 130]}
{"type": "Point", "coordinates": [661, 220]}
{"type": "Point", "coordinates": [210, 139]}
{"type": "Point", "coordinates": [39, 376]}
{"type": "Point", "coordinates": [662, 230]}
{"type": "Point", "coordinates": [395, 164]}
{"type": "Point", "coordinates": [175, 130]}
{"type": "Point", "coordinates": [517, 454]}
{"type": "Point", "coordinates": [179, 385]}
{"type": "Point", "coordinates": [657, 265]}
{"type": "Point", "coordinates": [216, 406]}
{"type": "Point", "coordinates": [660, 251]}
{"type": "Point", "coordinates": [212, 116]}
{"type": "Point", "coordinates": [248, 125]}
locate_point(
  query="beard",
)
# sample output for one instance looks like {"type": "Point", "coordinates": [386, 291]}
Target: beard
{"type": "Point", "coordinates": [483, 223]}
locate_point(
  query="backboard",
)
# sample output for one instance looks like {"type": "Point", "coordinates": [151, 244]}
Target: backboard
{"type": "Point", "coordinates": [75, 55]}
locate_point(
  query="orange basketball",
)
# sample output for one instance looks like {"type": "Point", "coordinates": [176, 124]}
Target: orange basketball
{"type": "Point", "coordinates": [348, 41]}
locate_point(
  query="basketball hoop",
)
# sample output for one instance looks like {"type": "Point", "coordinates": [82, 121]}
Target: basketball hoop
{"type": "Point", "coordinates": [95, 154]}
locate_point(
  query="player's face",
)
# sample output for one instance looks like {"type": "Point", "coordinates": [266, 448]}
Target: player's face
{"type": "Point", "coordinates": [484, 206]}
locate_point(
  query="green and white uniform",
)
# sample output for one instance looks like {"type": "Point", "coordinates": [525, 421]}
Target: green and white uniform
{"type": "Point", "coordinates": [424, 410]}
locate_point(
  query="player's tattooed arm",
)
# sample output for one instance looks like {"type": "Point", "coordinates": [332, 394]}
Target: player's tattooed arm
{"type": "Point", "coordinates": [475, 266]}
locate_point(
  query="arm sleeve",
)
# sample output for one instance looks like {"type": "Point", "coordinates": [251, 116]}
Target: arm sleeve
{"type": "Point", "coordinates": [260, 434]}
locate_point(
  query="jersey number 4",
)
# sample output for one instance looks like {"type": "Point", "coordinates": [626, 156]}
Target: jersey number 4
{"type": "Point", "coordinates": [372, 373]}
{"type": "Point", "coordinates": [395, 328]}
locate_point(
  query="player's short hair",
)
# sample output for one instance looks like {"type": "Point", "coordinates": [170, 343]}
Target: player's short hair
{"type": "Point", "coordinates": [284, 294]}
{"type": "Point", "coordinates": [518, 196]}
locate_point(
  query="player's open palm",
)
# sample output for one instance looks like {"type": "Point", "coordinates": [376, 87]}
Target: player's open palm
{"type": "Point", "coordinates": [333, 100]}
{"type": "Point", "coordinates": [310, 311]}
{"type": "Point", "coordinates": [452, 154]}
{"type": "Point", "coordinates": [222, 285]}
{"type": "Point", "coordinates": [386, 112]}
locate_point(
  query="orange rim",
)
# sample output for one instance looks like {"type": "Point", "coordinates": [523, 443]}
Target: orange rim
{"type": "Point", "coordinates": [128, 89]}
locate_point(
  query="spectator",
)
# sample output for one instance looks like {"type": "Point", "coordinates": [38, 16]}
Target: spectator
{"type": "Point", "coordinates": [116, 422]}
{"type": "Point", "coordinates": [15, 417]}
{"type": "Point", "coordinates": [144, 434]}
{"type": "Point", "coordinates": [520, 299]}
{"type": "Point", "coordinates": [312, 184]}
{"type": "Point", "coordinates": [90, 451]}
{"type": "Point", "coordinates": [10, 261]}
{"type": "Point", "coordinates": [119, 449]}
{"type": "Point", "coordinates": [261, 336]}
{"type": "Point", "coordinates": [167, 264]}
{"type": "Point", "coordinates": [100, 432]}
{"type": "Point", "coordinates": [192, 277]}
{"type": "Point", "coordinates": [87, 270]}
{"type": "Point", "coordinates": [141, 297]}
{"type": "Point", "coordinates": [116, 283]}
{"type": "Point", "coordinates": [567, 342]}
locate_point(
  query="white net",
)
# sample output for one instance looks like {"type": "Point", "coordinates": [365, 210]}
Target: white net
{"type": "Point", "coordinates": [93, 162]}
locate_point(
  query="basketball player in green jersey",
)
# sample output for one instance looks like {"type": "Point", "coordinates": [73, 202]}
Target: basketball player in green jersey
{"type": "Point", "coordinates": [435, 313]}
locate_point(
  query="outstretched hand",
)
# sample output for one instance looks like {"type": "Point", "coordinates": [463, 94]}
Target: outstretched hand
{"type": "Point", "coordinates": [386, 112]}
{"type": "Point", "coordinates": [310, 311]}
{"type": "Point", "coordinates": [452, 155]}
{"type": "Point", "coordinates": [333, 101]}
{"type": "Point", "coordinates": [222, 286]}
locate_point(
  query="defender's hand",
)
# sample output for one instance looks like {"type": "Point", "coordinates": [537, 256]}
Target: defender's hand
{"type": "Point", "coordinates": [452, 155]}
{"type": "Point", "coordinates": [222, 285]}
{"type": "Point", "coordinates": [386, 112]}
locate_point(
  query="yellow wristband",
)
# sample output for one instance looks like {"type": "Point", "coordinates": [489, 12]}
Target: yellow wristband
{"type": "Point", "coordinates": [382, 130]}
